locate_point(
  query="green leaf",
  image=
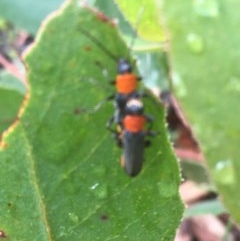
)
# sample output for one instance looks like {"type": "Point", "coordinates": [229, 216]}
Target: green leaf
{"type": "Point", "coordinates": [214, 207]}
{"type": "Point", "coordinates": [27, 14]}
{"type": "Point", "coordinates": [207, 78]}
{"type": "Point", "coordinates": [10, 102]}
{"type": "Point", "coordinates": [111, 9]}
{"type": "Point", "coordinates": [195, 171]}
{"type": "Point", "coordinates": [62, 166]}
{"type": "Point", "coordinates": [147, 12]}
{"type": "Point", "coordinates": [9, 82]}
{"type": "Point", "coordinates": [129, 31]}
{"type": "Point", "coordinates": [153, 69]}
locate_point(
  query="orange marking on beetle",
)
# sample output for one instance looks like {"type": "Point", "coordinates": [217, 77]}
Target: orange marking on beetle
{"type": "Point", "coordinates": [134, 123]}
{"type": "Point", "coordinates": [126, 83]}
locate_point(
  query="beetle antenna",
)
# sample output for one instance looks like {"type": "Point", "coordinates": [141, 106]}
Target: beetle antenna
{"type": "Point", "coordinates": [132, 42]}
{"type": "Point", "coordinates": [99, 44]}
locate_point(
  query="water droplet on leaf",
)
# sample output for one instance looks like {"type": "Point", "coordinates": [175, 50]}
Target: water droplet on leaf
{"type": "Point", "coordinates": [99, 191]}
{"type": "Point", "coordinates": [94, 186]}
{"type": "Point", "coordinates": [233, 85]}
{"type": "Point", "coordinates": [195, 43]}
{"type": "Point", "coordinates": [73, 217]}
{"type": "Point", "coordinates": [224, 172]}
{"type": "Point", "coordinates": [206, 8]}
{"type": "Point", "coordinates": [179, 85]}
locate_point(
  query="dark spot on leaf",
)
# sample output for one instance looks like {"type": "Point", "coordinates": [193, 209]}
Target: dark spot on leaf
{"type": "Point", "coordinates": [102, 17]}
{"type": "Point", "coordinates": [9, 204]}
{"type": "Point", "coordinates": [2, 234]}
{"type": "Point", "coordinates": [104, 217]}
{"type": "Point", "coordinates": [87, 48]}
{"type": "Point", "coordinates": [78, 111]}
{"type": "Point", "coordinates": [98, 64]}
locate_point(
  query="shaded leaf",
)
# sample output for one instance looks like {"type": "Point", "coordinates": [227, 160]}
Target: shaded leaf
{"type": "Point", "coordinates": [9, 82]}
{"type": "Point", "coordinates": [153, 69]}
{"type": "Point", "coordinates": [146, 15]}
{"type": "Point", "coordinates": [130, 33]}
{"type": "Point", "coordinates": [206, 78]}
{"type": "Point", "coordinates": [205, 207]}
{"type": "Point", "coordinates": [27, 14]}
{"type": "Point", "coordinates": [195, 171]}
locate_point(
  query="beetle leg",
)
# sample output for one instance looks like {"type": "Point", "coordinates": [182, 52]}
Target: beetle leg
{"type": "Point", "coordinates": [109, 125]}
{"type": "Point", "coordinates": [153, 133]}
{"type": "Point", "coordinates": [100, 104]}
{"type": "Point", "coordinates": [115, 132]}
{"type": "Point", "coordinates": [147, 143]}
{"type": "Point", "coordinates": [150, 122]}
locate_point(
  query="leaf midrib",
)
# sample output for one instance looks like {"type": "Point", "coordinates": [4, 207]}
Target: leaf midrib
{"type": "Point", "coordinates": [35, 184]}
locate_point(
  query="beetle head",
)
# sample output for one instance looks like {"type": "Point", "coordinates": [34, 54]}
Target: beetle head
{"type": "Point", "coordinates": [124, 66]}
